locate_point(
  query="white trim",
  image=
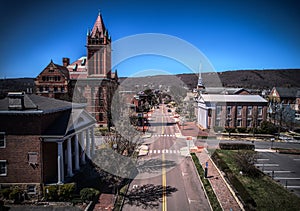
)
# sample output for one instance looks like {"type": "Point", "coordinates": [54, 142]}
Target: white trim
{"type": "Point", "coordinates": [5, 174]}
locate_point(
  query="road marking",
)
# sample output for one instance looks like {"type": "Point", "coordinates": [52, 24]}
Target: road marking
{"type": "Point", "coordinates": [263, 159]}
{"type": "Point", "coordinates": [158, 151]}
{"type": "Point", "coordinates": [163, 151]}
{"type": "Point", "coordinates": [287, 178]}
{"type": "Point", "coordinates": [266, 164]}
{"type": "Point", "coordinates": [278, 172]}
{"type": "Point", "coordinates": [164, 178]}
{"type": "Point", "coordinates": [150, 151]}
{"type": "Point", "coordinates": [296, 159]}
{"type": "Point", "coordinates": [167, 151]}
{"type": "Point", "coordinates": [154, 151]}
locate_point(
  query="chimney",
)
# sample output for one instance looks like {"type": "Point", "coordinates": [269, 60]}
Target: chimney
{"type": "Point", "coordinates": [16, 101]}
{"type": "Point", "coordinates": [66, 61]}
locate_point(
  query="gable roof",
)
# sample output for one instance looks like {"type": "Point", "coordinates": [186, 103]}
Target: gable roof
{"type": "Point", "coordinates": [287, 92]}
{"type": "Point", "coordinates": [62, 69]}
{"type": "Point", "coordinates": [233, 98]}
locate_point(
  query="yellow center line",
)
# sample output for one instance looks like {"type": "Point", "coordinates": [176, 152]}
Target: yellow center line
{"type": "Point", "coordinates": [164, 178]}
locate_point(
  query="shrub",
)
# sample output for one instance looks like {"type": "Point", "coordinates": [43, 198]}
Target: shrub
{"type": "Point", "coordinates": [241, 129]}
{"type": "Point", "coordinates": [230, 130]}
{"type": "Point", "coordinates": [16, 195]}
{"type": "Point", "coordinates": [246, 160]}
{"type": "Point", "coordinates": [267, 128]}
{"type": "Point", "coordinates": [5, 193]}
{"type": "Point", "coordinates": [51, 192]}
{"type": "Point", "coordinates": [218, 128]}
{"type": "Point", "coordinates": [66, 191]}
{"type": "Point", "coordinates": [88, 194]}
{"type": "Point", "coordinates": [236, 146]}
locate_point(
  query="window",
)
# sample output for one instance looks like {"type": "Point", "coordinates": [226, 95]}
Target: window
{"type": "Point", "coordinates": [2, 140]}
{"type": "Point", "coordinates": [239, 122]}
{"type": "Point", "coordinates": [249, 122]}
{"type": "Point", "coordinates": [3, 168]}
{"type": "Point", "coordinates": [44, 78]}
{"type": "Point", "coordinates": [228, 111]}
{"type": "Point", "coordinates": [218, 110]}
{"type": "Point", "coordinates": [31, 189]}
{"type": "Point", "coordinates": [55, 89]}
{"type": "Point", "coordinates": [51, 69]}
{"type": "Point", "coordinates": [239, 110]}
{"type": "Point", "coordinates": [218, 123]}
{"type": "Point", "coordinates": [101, 117]}
{"type": "Point", "coordinates": [259, 110]}
{"type": "Point", "coordinates": [41, 89]}
{"type": "Point", "coordinates": [62, 89]}
{"type": "Point", "coordinates": [249, 110]}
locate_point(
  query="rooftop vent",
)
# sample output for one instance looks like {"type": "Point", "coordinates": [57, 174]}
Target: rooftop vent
{"type": "Point", "coordinates": [16, 101]}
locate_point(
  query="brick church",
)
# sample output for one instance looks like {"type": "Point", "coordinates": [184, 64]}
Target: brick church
{"type": "Point", "coordinates": [87, 80]}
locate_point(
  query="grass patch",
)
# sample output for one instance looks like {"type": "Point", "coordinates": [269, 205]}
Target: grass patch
{"type": "Point", "coordinates": [266, 193]}
{"type": "Point", "coordinates": [207, 186]}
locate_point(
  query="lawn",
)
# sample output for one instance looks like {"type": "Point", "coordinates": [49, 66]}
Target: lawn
{"type": "Point", "coordinates": [267, 194]}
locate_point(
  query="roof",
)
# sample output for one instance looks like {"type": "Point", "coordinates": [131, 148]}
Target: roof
{"type": "Point", "coordinates": [290, 92]}
{"type": "Point", "coordinates": [39, 103]}
{"type": "Point", "coordinates": [62, 69]}
{"type": "Point", "coordinates": [99, 27]}
{"type": "Point", "coordinates": [233, 98]}
{"type": "Point", "coordinates": [223, 90]}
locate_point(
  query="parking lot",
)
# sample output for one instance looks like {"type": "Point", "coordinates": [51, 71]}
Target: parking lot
{"type": "Point", "coordinates": [283, 168]}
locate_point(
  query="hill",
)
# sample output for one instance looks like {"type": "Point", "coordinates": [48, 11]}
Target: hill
{"type": "Point", "coordinates": [251, 79]}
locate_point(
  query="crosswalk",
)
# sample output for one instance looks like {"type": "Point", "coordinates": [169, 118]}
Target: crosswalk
{"type": "Point", "coordinates": [164, 151]}
{"type": "Point", "coordinates": [164, 135]}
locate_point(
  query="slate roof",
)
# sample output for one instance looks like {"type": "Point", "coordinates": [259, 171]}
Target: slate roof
{"type": "Point", "coordinates": [233, 98]}
{"type": "Point", "coordinates": [39, 103]}
{"type": "Point", "coordinates": [286, 92]}
{"type": "Point", "coordinates": [223, 90]}
{"type": "Point", "coordinates": [99, 26]}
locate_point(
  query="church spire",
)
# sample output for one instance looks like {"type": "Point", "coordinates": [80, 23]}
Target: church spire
{"type": "Point", "coordinates": [99, 27]}
{"type": "Point", "coordinates": [200, 85]}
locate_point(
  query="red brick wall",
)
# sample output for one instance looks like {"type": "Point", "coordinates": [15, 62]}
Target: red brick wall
{"type": "Point", "coordinates": [16, 154]}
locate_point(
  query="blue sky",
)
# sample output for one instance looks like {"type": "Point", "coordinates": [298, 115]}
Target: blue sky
{"type": "Point", "coordinates": [256, 34]}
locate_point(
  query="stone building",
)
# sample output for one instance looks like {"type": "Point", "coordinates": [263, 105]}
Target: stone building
{"type": "Point", "coordinates": [42, 140]}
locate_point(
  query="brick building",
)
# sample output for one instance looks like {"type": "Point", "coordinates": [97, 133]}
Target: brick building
{"type": "Point", "coordinates": [231, 110]}
{"type": "Point", "coordinates": [42, 140]}
{"type": "Point", "coordinates": [53, 81]}
{"type": "Point", "coordinates": [88, 79]}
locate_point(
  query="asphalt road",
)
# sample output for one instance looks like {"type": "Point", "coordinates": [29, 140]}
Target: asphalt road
{"type": "Point", "coordinates": [167, 179]}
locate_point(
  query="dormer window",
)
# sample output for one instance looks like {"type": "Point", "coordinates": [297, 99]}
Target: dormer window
{"type": "Point", "coordinates": [75, 67]}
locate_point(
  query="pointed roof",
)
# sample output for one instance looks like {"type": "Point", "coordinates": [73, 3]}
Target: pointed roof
{"type": "Point", "coordinates": [99, 26]}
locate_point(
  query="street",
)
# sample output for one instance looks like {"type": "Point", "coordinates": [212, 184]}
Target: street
{"type": "Point", "coordinates": [167, 179]}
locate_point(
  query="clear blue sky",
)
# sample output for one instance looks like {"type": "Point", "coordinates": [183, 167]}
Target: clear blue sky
{"type": "Point", "coordinates": [250, 34]}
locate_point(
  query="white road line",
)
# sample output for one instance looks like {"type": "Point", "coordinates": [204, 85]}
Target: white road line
{"type": "Point", "coordinates": [154, 151]}
{"type": "Point", "coordinates": [296, 159]}
{"type": "Point", "coordinates": [278, 172]}
{"type": "Point", "coordinates": [286, 178]}
{"type": "Point", "coordinates": [167, 151]}
{"type": "Point", "coordinates": [158, 151]}
{"type": "Point", "coordinates": [266, 164]}
{"type": "Point", "coordinates": [163, 151]}
{"type": "Point", "coordinates": [150, 151]}
{"type": "Point", "coordinates": [263, 159]}
{"type": "Point", "coordinates": [171, 151]}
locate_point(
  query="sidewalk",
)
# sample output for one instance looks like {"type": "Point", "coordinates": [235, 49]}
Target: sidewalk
{"type": "Point", "coordinates": [105, 202]}
{"type": "Point", "coordinates": [223, 191]}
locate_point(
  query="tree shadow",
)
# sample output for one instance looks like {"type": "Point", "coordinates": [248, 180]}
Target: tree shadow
{"type": "Point", "coordinates": [148, 196]}
{"type": "Point", "coordinates": [154, 165]}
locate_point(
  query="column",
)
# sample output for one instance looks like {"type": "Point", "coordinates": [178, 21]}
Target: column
{"type": "Point", "coordinates": [76, 152]}
{"type": "Point", "coordinates": [92, 141]}
{"type": "Point", "coordinates": [69, 151]}
{"type": "Point", "coordinates": [82, 148]}
{"type": "Point", "coordinates": [60, 163]}
{"type": "Point", "coordinates": [87, 143]}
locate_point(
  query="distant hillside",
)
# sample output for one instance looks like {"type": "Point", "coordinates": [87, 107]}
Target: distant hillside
{"type": "Point", "coordinates": [251, 79]}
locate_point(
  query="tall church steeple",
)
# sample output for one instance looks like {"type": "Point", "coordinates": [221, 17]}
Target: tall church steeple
{"type": "Point", "coordinates": [200, 85]}
{"type": "Point", "coordinates": [98, 50]}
